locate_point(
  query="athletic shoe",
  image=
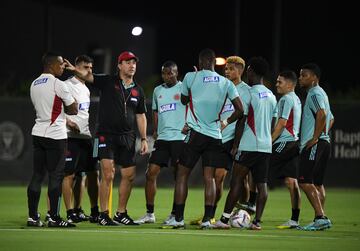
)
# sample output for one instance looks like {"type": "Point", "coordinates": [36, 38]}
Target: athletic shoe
{"type": "Point", "coordinates": [250, 208]}
{"type": "Point", "coordinates": [318, 224]}
{"type": "Point", "coordinates": [34, 221]}
{"type": "Point", "coordinates": [125, 219]}
{"type": "Point", "coordinates": [169, 218]}
{"type": "Point", "coordinates": [173, 224]}
{"type": "Point", "coordinates": [105, 220]}
{"type": "Point", "coordinates": [254, 226]}
{"type": "Point", "coordinates": [56, 221]}
{"type": "Point", "coordinates": [73, 218]}
{"type": "Point", "coordinates": [47, 216]}
{"type": "Point", "coordinates": [289, 224]}
{"type": "Point", "coordinates": [198, 221]}
{"type": "Point", "coordinates": [81, 214]}
{"type": "Point", "coordinates": [147, 218]}
{"type": "Point", "coordinates": [94, 218]}
{"type": "Point", "coordinates": [206, 225]}
{"type": "Point", "coordinates": [221, 225]}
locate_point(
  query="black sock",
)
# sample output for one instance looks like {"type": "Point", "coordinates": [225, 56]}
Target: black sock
{"type": "Point", "coordinates": [224, 219]}
{"type": "Point", "coordinates": [149, 208]}
{"type": "Point", "coordinates": [213, 212]}
{"type": "Point", "coordinates": [209, 209]}
{"type": "Point", "coordinates": [70, 211]}
{"type": "Point", "coordinates": [173, 209]}
{"type": "Point", "coordinates": [252, 199]}
{"type": "Point", "coordinates": [295, 214]}
{"type": "Point", "coordinates": [179, 212]}
{"type": "Point", "coordinates": [94, 210]}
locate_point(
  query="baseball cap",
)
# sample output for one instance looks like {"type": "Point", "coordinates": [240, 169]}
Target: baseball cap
{"type": "Point", "coordinates": [127, 55]}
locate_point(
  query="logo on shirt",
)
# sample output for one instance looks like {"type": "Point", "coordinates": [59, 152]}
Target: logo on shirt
{"type": "Point", "coordinates": [176, 96]}
{"type": "Point", "coordinates": [228, 108]}
{"type": "Point", "coordinates": [167, 107]}
{"type": "Point", "coordinates": [134, 92]}
{"type": "Point", "coordinates": [41, 81]}
{"type": "Point", "coordinates": [264, 94]}
{"type": "Point", "coordinates": [211, 79]}
{"type": "Point", "coordinates": [84, 106]}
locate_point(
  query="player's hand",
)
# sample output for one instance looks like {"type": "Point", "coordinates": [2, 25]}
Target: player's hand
{"type": "Point", "coordinates": [233, 151]}
{"type": "Point", "coordinates": [155, 135]}
{"type": "Point", "coordinates": [68, 65]}
{"type": "Point", "coordinates": [72, 126]}
{"type": "Point", "coordinates": [144, 147]}
{"type": "Point", "coordinates": [311, 142]}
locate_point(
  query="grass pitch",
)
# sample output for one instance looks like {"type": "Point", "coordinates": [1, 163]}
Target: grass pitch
{"type": "Point", "coordinates": [342, 206]}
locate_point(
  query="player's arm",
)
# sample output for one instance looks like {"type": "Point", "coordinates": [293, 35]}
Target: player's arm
{"type": "Point", "coordinates": [185, 99]}
{"type": "Point", "coordinates": [332, 120]}
{"type": "Point", "coordinates": [84, 75]}
{"type": "Point", "coordinates": [142, 123]}
{"type": "Point", "coordinates": [279, 127]}
{"type": "Point", "coordinates": [320, 123]}
{"type": "Point", "coordinates": [155, 124]}
{"type": "Point", "coordinates": [72, 125]}
{"type": "Point", "coordinates": [239, 129]}
{"type": "Point", "coordinates": [71, 109]}
{"type": "Point", "coordinates": [237, 114]}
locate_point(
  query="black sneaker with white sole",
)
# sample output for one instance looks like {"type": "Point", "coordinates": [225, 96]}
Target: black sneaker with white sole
{"type": "Point", "coordinates": [34, 221]}
{"type": "Point", "coordinates": [81, 214]}
{"type": "Point", "coordinates": [57, 221]}
{"type": "Point", "coordinates": [105, 220]}
{"type": "Point", "coordinates": [125, 219]}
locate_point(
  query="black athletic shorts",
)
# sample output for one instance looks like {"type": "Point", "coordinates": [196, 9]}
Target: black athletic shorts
{"type": "Point", "coordinates": [313, 163]}
{"type": "Point", "coordinates": [120, 148]}
{"type": "Point", "coordinates": [79, 156]}
{"type": "Point", "coordinates": [257, 163]}
{"type": "Point", "coordinates": [199, 145]}
{"type": "Point", "coordinates": [284, 159]}
{"type": "Point", "coordinates": [227, 146]}
{"type": "Point", "coordinates": [165, 151]}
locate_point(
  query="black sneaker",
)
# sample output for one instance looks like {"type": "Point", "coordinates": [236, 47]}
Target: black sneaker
{"type": "Point", "coordinates": [34, 221]}
{"type": "Point", "coordinates": [81, 214]}
{"type": "Point", "coordinates": [105, 220]}
{"type": "Point", "coordinates": [57, 221]}
{"type": "Point", "coordinates": [47, 216]}
{"type": "Point", "coordinates": [73, 218]}
{"type": "Point", "coordinates": [124, 218]}
{"type": "Point", "coordinates": [94, 218]}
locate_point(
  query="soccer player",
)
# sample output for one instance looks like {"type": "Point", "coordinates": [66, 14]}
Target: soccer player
{"type": "Point", "coordinates": [285, 150]}
{"type": "Point", "coordinates": [80, 148]}
{"type": "Point", "coordinates": [168, 120]}
{"type": "Point", "coordinates": [51, 99]}
{"type": "Point", "coordinates": [317, 120]}
{"type": "Point", "coordinates": [205, 91]}
{"type": "Point", "coordinates": [255, 143]}
{"type": "Point", "coordinates": [121, 109]}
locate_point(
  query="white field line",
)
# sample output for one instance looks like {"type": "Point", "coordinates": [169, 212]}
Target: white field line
{"type": "Point", "coordinates": [220, 233]}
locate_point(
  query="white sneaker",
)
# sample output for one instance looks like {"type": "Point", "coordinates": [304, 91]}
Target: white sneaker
{"type": "Point", "coordinates": [289, 224]}
{"type": "Point", "coordinates": [169, 219]}
{"type": "Point", "coordinates": [220, 225]}
{"type": "Point", "coordinates": [147, 218]}
{"type": "Point", "coordinates": [206, 225]}
{"type": "Point", "coordinates": [173, 224]}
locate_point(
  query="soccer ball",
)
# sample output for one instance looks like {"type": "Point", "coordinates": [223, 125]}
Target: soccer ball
{"type": "Point", "coordinates": [240, 219]}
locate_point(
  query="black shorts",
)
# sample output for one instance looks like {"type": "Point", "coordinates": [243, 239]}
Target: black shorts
{"type": "Point", "coordinates": [313, 163]}
{"type": "Point", "coordinates": [165, 151]}
{"type": "Point", "coordinates": [199, 145]}
{"type": "Point", "coordinates": [79, 156]}
{"type": "Point", "coordinates": [227, 146]}
{"type": "Point", "coordinates": [257, 163]}
{"type": "Point", "coordinates": [120, 148]}
{"type": "Point", "coordinates": [284, 159]}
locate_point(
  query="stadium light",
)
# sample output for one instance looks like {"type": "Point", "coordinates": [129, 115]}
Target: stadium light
{"type": "Point", "coordinates": [136, 31]}
{"type": "Point", "coordinates": [220, 61]}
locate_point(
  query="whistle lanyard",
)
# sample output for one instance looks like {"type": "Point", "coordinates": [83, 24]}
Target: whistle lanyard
{"type": "Point", "coordinates": [125, 99]}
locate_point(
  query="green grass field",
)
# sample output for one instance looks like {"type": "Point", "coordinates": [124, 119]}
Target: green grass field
{"type": "Point", "coordinates": [342, 207]}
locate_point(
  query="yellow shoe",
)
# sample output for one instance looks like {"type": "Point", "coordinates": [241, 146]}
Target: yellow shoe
{"type": "Point", "coordinates": [212, 220]}
{"type": "Point", "coordinates": [196, 222]}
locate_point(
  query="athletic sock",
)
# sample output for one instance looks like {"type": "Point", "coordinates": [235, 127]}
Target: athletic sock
{"type": "Point", "coordinates": [252, 199]}
{"type": "Point", "coordinates": [295, 212]}
{"type": "Point", "coordinates": [149, 208]}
